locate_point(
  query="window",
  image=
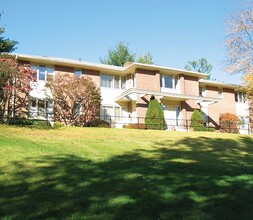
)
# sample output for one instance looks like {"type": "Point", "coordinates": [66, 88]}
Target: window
{"type": "Point", "coordinates": [202, 91]}
{"type": "Point", "coordinates": [169, 82]}
{"type": "Point", "coordinates": [240, 97]}
{"type": "Point", "coordinates": [116, 82]}
{"type": "Point", "coordinates": [113, 81]}
{"type": "Point", "coordinates": [77, 109]}
{"type": "Point", "coordinates": [78, 73]}
{"type": "Point", "coordinates": [106, 81]}
{"type": "Point", "coordinates": [117, 113]}
{"type": "Point", "coordinates": [33, 103]}
{"type": "Point", "coordinates": [133, 80]}
{"type": "Point", "coordinates": [110, 113]}
{"type": "Point", "coordinates": [41, 103]}
{"type": "Point", "coordinates": [106, 112]}
{"type": "Point", "coordinates": [49, 104]}
{"type": "Point", "coordinates": [43, 72]}
{"type": "Point", "coordinates": [123, 82]}
{"type": "Point", "coordinates": [220, 93]}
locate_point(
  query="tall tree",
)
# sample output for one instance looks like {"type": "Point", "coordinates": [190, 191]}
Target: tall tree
{"type": "Point", "coordinates": [119, 55]}
{"type": "Point", "coordinates": [6, 45]}
{"type": "Point", "coordinates": [76, 99]}
{"type": "Point", "coordinates": [239, 44]}
{"type": "Point", "coordinates": [14, 87]}
{"type": "Point", "coordinates": [147, 59]}
{"type": "Point", "coordinates": [201, 66]}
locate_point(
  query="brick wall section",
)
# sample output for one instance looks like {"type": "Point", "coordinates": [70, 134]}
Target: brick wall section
{"type": "Point", "coordinates": [146, 80]}
{"type": "Point", "coordinates": [23, 62]}
{"type": "Point", "coordinates": [226, 104]}
{"type": "Point", "coordinates": [63, 69]}
{"type": "Point", "coordinates": [94, 75]}
{"type": "Point", "coordinates": [191, 87]}
{"type": "Point", "coordinates": [181, 83]}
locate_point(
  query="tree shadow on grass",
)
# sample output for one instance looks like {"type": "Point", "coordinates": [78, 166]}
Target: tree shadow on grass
{"type": "Point", "coordinates": [195, 178]}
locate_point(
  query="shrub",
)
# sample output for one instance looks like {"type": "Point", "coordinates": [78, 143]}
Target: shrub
{"type": "Point", "coordinates": [229, 123]}
{"type": "Point", "coordinates": [19, 121]}
{"type": "Point", "coordinates": [135, 126]}
{"type": "Point", "coordinates": [22, 121]}
{"type": "Point", "coordinates": [154, 116]}
{"type": "Point", "coordinates": [37, 123]}
{"type": "Point", "coordinates": [57, 125]}
{"type": "Point", "coordinates": [204, 129]}
{"type": "Point", "coordinates": [99, 123]}
{"type": "Point", "coordinates": [196, 122]}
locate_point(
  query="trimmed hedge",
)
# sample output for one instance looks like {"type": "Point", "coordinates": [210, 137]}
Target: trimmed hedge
{"type": "Point", "coordinates": [22, 121]}
{"type": "Point", "coordinates": [197, 123]}
{"type": "Point", "coordinates": [154, 116]}
{"type": "Point", "coordinates": [99, 123]}
{"type": "Point", "coordinates": [135, 126]}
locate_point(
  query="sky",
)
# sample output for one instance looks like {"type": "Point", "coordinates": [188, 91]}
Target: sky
{"type": "Point", "coordinates": [173, 31]}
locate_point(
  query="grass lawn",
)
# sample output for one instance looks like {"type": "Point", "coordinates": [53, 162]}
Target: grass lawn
{"type": "Point", "coordinates": [97, 173]}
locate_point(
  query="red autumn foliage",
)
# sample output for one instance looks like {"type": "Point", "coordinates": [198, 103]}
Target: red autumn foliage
{"type": "Point", "coordinates": [229, 123]}
{"type": "Point", "coordinates": [14, 87]}
{"type": "Point", "coordinates": [76, 99]}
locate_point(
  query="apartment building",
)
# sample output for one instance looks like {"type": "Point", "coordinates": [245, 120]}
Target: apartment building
{"type": "Point", "coordinates": [126, 91]}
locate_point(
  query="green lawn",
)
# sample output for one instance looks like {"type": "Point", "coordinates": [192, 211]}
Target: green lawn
{"type": "Point", "coordinates": [97, 173]}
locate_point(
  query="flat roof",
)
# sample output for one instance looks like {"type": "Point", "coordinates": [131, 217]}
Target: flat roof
{"type": "Point", "coordinates": [104, 67]}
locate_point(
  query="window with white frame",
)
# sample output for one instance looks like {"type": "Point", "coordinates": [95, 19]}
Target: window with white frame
{"type": "Point", "coordinates": [78, 72]}
{"type": "Point", "coordinates": [110, 113]}
{"type": "Point", "coordinates": [169, 82]}
{"type": "Point", "coordinates": [240, 97]}
{"type": "Point", "coordinates": [113, 81]}
{"type": "Point", "coordinates": [202, 91]}
{"type": "Point", "coordinates": [43, 72]}
{"type": "Point", "coordinates": [41, 107]}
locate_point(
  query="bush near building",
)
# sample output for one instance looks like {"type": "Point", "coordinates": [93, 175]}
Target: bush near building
{"type": "Point", "coordinates": [229, 123]}
{"type": "Point", "coordinates": [196, 121]}
{"type": "Point", "coordinates": [154, 116]}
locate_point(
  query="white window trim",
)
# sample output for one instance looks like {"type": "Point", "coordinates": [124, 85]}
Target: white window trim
{"type": "Point", "coordinates": [244, 99]}
{"type": "Point", "coordinates": [113, 81]}
{"type": "Point", "coordinates": [203, 91]}
{"type": "Point", "coordinates": [36, 67]}
{"type": "Point", "coordinates": [113, 117]}
{"type": "Point", "coordinates": [78, 70]}
{"type": "Point", "coordinates": [174, 86]}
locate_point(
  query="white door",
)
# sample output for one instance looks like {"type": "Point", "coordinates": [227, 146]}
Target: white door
{"type": "Point", "coordinates": [170, 115]}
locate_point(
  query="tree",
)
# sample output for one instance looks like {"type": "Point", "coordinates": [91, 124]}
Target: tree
{"type": "Point", "coordinates": [201, 66]}
{"type": "Point", "coordinates": [154, 118]}
{"type": "Point", "coordinates": [6, 45]}
{"type": "Point", "coordinates": [239, 44]}
{"type": "Point", "coordinates": [147, 59]}
{"type": "Point", "coordinates": [14, 87]}
{"type": "Point", "coordinates": [119, 55]}
{"type": "Point", "coordinates": [76, 99]}
{"type": "Point", "coordinates": [196, 121]}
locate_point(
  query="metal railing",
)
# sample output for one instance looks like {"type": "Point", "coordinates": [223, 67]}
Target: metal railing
{"type": "Point", "coordinates": [139, 122]}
